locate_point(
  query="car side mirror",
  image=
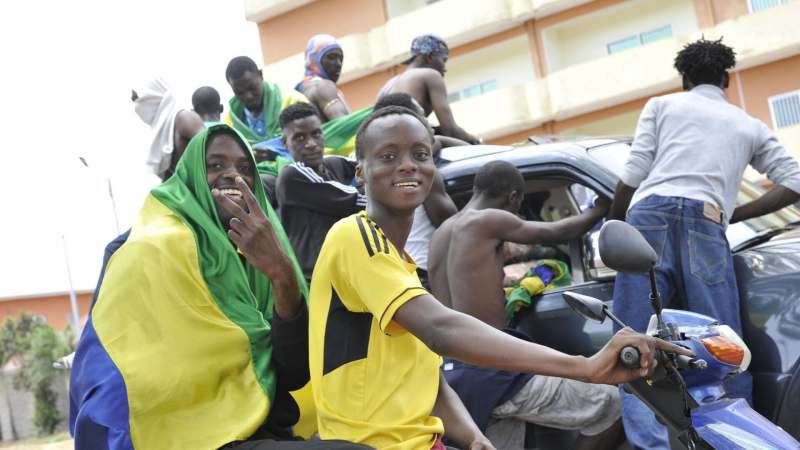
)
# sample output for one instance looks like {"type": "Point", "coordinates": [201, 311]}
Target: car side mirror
{"type": "Point", "coordinates": [596, 269]}
{"type": "Point", "coordinates": [624, 249]}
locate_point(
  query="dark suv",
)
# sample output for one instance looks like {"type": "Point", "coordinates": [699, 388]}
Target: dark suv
{"type": "Point", "coordinates": [560, 176]}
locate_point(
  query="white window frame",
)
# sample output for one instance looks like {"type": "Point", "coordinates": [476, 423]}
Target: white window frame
{"type": "Point", "coordinates": [774, 98]}
{"type": "Point", "coordinates": [639, 36]}
{"type": "Point", "coordinates": [750, 5]}
{"type": "Point", "coordinates": [479, 85]}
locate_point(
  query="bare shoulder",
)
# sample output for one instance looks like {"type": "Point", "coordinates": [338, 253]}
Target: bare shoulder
{"type": "Point", "coordinates": [188, 123]}
{"type": "Point", "coordinates": [322, 86]}
{"type": "Point", "coordinates": [486, 220]}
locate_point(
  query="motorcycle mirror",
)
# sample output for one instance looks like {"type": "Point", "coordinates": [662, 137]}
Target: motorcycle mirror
{"type": "Point", "coordinates": [624, 249]}
{"type": "Point", "coordinates": [589, 308]}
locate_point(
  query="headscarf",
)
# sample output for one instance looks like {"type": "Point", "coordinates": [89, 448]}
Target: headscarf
{"type": "Point", "coordinates": [158, 108]}
{"type": "Point", "coordinates": [315, 49]}
{"type": "Point", "coordinates": [177, 352]}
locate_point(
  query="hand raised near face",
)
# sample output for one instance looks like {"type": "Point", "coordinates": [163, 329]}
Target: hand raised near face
{"type": "Point", "coordinates": [254, 235]}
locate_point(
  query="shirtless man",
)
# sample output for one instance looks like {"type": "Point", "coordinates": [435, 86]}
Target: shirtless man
{"type": "Point", "coordinates": [172, 126]}
{"type": "Point", "coordinates": [424, 80]}
{"type": "Point", "coordinates": [324, 58]}
{"type": "Point", "coordinates": [206, 102]}
{"type": "Point", "coordinates": [465, 263]}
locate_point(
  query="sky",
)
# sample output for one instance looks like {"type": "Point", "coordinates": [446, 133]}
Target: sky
{"type": "Point", "coordinates": [67, 71]}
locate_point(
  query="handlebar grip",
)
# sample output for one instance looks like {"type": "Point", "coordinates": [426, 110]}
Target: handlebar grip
{"type": "Point", "coordinates": [629, 356]}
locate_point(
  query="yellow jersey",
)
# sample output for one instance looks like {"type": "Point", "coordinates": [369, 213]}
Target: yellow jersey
{"type": "Point", "coordinates": [373, 382]}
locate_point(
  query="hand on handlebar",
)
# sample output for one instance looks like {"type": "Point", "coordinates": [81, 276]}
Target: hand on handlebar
{"type": "Point", "coordinates": [606, 368]}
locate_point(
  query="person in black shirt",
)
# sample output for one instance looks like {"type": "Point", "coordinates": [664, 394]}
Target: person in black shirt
{"type": "Point", "coordinates": [314, 192]}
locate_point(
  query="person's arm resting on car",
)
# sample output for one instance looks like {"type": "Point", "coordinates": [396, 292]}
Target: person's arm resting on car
{"type": "Point", "coordinates": [441, 106]}
{"type": "Point", "coordinates": [509, 227]}
{"type": "Point", "coordinates": [771, 158]}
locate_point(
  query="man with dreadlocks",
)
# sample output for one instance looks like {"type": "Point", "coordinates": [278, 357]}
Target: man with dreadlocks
{"type": "Point", "coordinates": [682, 179]}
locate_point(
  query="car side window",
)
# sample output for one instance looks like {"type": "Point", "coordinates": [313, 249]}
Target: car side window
{"type": "Point", "coordinates": [593, 266]}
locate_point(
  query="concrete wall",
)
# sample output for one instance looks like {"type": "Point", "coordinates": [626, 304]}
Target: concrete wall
{"type": "Point", "coordinates": [370, 48]}
{"type": "Point", "coordinates": [508, 62]}
{"type": "Point", "coordinates": [17, 406]}
{"type": "Point", "coordinates": [761, 82]}
{"type": "Point", "coordinates": [56, 308]}
{"type": "Point", "coordinates": [505, 39]}
{"type": "Point", "coordinates": [288, 34]}
{"type": "Point", "coordinates": [399, 7]}
{"type": "Point", "coordinates": [585, 38]}
{"type": "Point", "coordinates": [768, 62]}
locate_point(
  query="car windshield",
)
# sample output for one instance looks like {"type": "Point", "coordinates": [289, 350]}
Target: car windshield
{"type": "Point", "coordinates": [613, 158]}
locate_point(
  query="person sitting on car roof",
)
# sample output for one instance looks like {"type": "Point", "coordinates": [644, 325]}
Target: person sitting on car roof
{"type": "Point", "coordinates": [424, 80]}
{"type": "Point", "coordinates": [679, 188]}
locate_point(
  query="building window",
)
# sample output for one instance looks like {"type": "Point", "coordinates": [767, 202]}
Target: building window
{"type": "Point", "coordinates": [472, 91]}
{"type": "Point", "coordinates": [639, 39]}
{"type": "Point", "coordinates": [758, 5]}
{"type": "Point", "coordinates": [785, 109]}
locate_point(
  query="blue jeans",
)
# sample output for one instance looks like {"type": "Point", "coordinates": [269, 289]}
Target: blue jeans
{"type": "Point", "coordinates": [694, 272]}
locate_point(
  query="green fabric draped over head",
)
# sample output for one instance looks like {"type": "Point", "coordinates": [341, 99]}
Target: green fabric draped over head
{"type": "Point", "coordinates": [242, 292]}
{"type": "Point", "coordinates": [273, 100]}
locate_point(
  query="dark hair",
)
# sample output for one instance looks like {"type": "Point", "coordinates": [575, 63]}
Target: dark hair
{"type": "Point", "coordinates": [384, 112]}
{"type": "Point", "coordinates": [205, 100]}
{"type": "Point", "coordinates": [225, 131]}
{"type": "Point", "coordinates": [396, 99]}
{"type": "Point", "coordinates": [238, 66]}
{"type": "Point", "coordinates": [498, 178]}
{"type": "Point", "coordinates": [297, 111]}
{"type": "Point", "coordinates": [705, 62]}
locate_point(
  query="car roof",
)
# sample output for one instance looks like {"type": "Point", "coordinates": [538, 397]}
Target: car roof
{"type": "Point", "coordinates": [464, 162]}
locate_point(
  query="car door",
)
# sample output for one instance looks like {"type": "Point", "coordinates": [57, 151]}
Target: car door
{"type": "Point", "coordinates": [549, 320]}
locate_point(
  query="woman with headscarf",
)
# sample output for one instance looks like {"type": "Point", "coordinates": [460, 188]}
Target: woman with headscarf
{"type": "Point", "coordinates": [324, 58]}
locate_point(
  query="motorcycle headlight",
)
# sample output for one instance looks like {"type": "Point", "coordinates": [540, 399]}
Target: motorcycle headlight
{"type": "Point", "coordinates": [728, 347]}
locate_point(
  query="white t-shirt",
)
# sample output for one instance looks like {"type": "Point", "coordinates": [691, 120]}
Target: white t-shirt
{"type": "Point", "coordinates": [420, 237]}
{"type": "Point", "coordinates": [696, 145]}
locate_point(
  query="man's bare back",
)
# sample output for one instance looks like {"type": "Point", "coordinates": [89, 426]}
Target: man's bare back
{"type": "Point", "coordinates": [414, 82]}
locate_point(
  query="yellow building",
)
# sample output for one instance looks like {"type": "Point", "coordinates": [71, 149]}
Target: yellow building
{"type": "Point", "coordinates": [523, 67]}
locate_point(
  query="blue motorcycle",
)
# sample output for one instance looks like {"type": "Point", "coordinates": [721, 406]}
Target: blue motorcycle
{"type": "Point", "coordinates": [684, 392]}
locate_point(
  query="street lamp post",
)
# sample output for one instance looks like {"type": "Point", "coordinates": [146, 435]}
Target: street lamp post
{"type": "Point", "coordinates": [73, 301]}
{"type": "Point", "coordinates": [110, 194]}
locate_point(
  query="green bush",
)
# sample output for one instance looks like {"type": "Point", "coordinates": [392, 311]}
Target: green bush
{"type": "Point", "coordinates": [41, 345]}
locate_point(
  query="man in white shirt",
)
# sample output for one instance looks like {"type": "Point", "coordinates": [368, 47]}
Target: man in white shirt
{"type": "Point", "coordinates": [681, 180]}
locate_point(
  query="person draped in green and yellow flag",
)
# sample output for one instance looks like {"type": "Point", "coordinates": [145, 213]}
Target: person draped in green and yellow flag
{"type": "Point", "coordinates": [200, 327]}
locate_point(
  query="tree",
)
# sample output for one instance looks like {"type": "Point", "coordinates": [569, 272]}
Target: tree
{"type": "Point", "coordinates": [41, 345]}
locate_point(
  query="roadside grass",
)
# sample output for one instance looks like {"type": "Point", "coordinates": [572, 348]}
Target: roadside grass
{"type": "Point", "coordinates": [40, 442]}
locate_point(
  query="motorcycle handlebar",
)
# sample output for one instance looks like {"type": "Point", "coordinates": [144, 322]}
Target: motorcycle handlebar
{"type": "Point", "coordinates": [629, 356]}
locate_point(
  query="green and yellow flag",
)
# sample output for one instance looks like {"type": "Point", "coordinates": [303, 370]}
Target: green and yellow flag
{"type": "Point", "coordinates": [178, 352]}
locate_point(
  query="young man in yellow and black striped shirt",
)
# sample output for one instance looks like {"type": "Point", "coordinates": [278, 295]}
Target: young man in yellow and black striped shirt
{"type": "Point", "coordinates": [376, 335]}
